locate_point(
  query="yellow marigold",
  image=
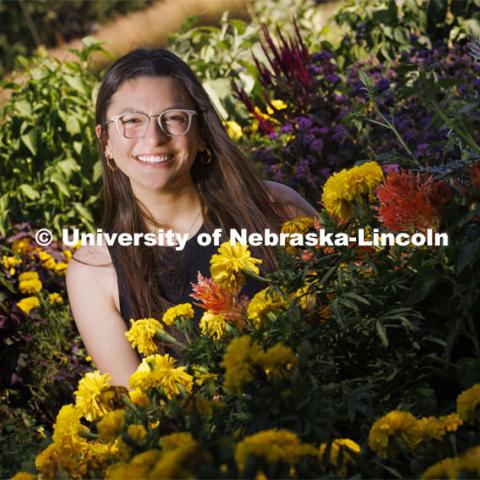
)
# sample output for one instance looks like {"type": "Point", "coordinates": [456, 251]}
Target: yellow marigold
{"type": "Point", "coordinates": [265, 302]}
{"type": "Point", "coordinates": [471, 462]}
{"type": "Point", "coordinates": [46, 462]}
{"type": "Point", "coordinates": [23, 476]}
{"type": "Point", "coordinates": [346, 187]}
{"type": "Point", "coordinates": [468, 404]}
{"type": "Point", "coordinates": [138, 397]}
{"type": "Point", "coordinates": [234, 130]}
{"type": "Point", "coordinates": [47, 260]}
{"type": "Point", "coordinates": [306, 300]}
{"type": "Point", "coordinates": [54, 298]}
{"type": "Point", "coordinates": [175, 440]}
{"type": "Point", "coordinates": [172, 314]}
{"type": "Point", "coordinates": [466, 465]}
{"type": "Point", "coordinates": [142, 335]}
{"type": "Point", "coordinates": [88, 397]}
{"type": "Point", "coordinates": [160, 371]}
{"type": "Point", "coordinates": [67, 255]}
{"type": "Point", "coordinates": [111, 424]}
{"type": "Point", "coordinates": [300, 225]}
{"type": "Point", "coordinates": [26, 304]}
{"type": "Point", "coordinates": [66, 430]}
{"type": "Point", "coordinates": [447, 468]}
{"type": "Point", "coordinates": [229, 264]}
{"type": "Point", "coordinates": [22, 246]}
{"type": "Point", "coordinates": [25, 276]}
{"type": "Point", "coordinates": [60, 267]}
{"type": "Point", "coordinates": [179, 462]}
{"type": "Point", "coordinates": [139, 467]}
{"type": "Point", "coordinates": [137, 432]}
{"type": "Point", "coordinates": [202, 375]}
{"type": "Point", "coordinates": [277, 105]}
{"type": "Point", "coordinates": [274, 446]}
{"type": "Point", "coordinates": [238, 361]}
{"type": "Point", "coordinates": [30, 286]}
{"type": "Point", "coordinates": [432, 427]}
{"type": "Point", "coordinates": [9, 263]}
{"type": "Point", "coordinates": [260, 113]}
{"type": "Point", "coordinates": [346, 447]}
{"type": "Point", "coordinates": [451, 422]}
{"type": "Point", "coordinates": [277, 360]}
{"type": "Point", "coordinates": [428, 428]}
{"type": "Point", "coordinates": [213, 325]}
{"type": "Point", "coordinates": [395, 424]}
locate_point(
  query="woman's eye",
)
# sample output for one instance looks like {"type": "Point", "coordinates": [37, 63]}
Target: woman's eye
{"type": "Point", "coordinates": [176, 118]}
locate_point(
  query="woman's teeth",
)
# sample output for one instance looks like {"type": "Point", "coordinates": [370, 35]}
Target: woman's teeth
{"type": "Point", "coordinates": [155, 158]}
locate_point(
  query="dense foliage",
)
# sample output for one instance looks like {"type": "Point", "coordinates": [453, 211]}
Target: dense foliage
{"type": "Point", "coordinates": [53, 23]}
{"type": "Point", "coordinates": [41, 354]}
{"type": "Point", "coordinates": [50, 166]}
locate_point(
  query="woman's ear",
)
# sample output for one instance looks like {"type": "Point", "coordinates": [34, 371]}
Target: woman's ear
{"type": "Point", "coordinates": [202, 145]}
{"type": "Point", "coordinates": [108, 148]}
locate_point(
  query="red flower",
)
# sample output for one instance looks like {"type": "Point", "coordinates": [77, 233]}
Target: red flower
{"type": "Point", "coordinates": [214, 298]}
{"type": "Point", "coordinates": [409, 201]}
{"type": "Point", "coordinates": [474, 176]}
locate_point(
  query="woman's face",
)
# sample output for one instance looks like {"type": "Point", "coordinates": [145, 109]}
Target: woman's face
{"type": "Point", "coordinates": [142, 160]}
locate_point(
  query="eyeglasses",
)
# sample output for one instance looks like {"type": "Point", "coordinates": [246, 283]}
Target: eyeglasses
{"type": "Point", "coordinates": [134, 125]}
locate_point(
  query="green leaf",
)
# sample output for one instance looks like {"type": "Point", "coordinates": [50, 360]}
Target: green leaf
{"type": "Point", "coordinates": [59, 180]}
{"type": "Point", "coordinates": [30, 140]}
{"type": "Point", "coordinates": [29, 191]}
{"type": "Point", "coordinates": [68, 166]}
{"type": "Point", "coordinates": [216, 90]}
{"type": "Point", "coordinates": [422, 286]}
{"type": "Point", "coordinates": [76, 83]}
{"type": "Point", "coordinates": [467, 254]}
{"type": "Point", "coordinates": [23, 107]}
{"type": "Point", "coordinates": [84, 212]}
{"type": "Point", "coordinates": [72, 125]}
{"type": "Point", "coordinates": [382, 333]}
{"type": "Point", "coordinates": [97, 170]}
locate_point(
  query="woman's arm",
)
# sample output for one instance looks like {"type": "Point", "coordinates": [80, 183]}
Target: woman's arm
{"type": "Point", "coordinates": [292, 203]}
{"type": "Point", "coordinates": [91, 292]}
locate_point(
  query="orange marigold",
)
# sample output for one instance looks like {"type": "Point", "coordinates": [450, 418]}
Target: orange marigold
{"type": "Point", "coordinates": [409, 201]}
{"type": "Point", "coordinates": [218, 300]}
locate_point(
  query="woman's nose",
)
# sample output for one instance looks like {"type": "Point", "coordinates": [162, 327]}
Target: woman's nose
{"type": "Point", "coordinates": [154, 133]}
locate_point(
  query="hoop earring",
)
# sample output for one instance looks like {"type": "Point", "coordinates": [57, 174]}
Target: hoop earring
{"type": "Point", "coordinates": [110, 166]}
{"type": "Point", "coordinates": [209, 157]}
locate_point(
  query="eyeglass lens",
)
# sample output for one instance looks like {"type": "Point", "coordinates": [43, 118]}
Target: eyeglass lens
{"type": "Point", "coordinates": [135, 124]}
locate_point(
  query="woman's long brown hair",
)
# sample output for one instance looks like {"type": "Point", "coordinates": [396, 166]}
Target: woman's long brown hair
{"type": "Point", "coordinates": [231, 192]}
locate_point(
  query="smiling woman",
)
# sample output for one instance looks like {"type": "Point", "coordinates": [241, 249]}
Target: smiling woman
{"type": "Point", "coordinates": [167, 163]}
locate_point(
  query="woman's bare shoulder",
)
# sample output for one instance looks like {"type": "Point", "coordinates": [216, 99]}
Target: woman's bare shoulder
{"type": "Point", "coordinates": [292, 202]}
{"type": "Point", "coordinates": [91, 270]}
{"type": "Point", "coordinates": [93, 256]}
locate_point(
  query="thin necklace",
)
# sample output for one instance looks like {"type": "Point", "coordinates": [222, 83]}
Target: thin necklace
{"type": "Point", "coordinates": [189, 231]}
{"type": "Point", "coordinates": [191, 226]}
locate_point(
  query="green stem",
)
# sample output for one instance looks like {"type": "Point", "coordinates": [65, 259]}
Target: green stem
{"type": "Point", "coordinates": [255, 276]}
{"type": "Point", "coordinates": [166, 336]}
{"type": "Point", "coordinates": [464, 135]}
{"type": "Point", "coordinates": [391, 126]}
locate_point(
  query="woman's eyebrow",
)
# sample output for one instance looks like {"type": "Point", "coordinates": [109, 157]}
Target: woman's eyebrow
{"type": "Point", "coordinates": [135, 109]}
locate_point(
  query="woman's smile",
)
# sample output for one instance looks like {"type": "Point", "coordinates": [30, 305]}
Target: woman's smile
{"type": "Point", "coordinates": [155, 160]}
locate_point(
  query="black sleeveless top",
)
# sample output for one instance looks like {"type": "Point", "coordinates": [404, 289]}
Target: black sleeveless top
{"type": "Point", "coordinates": [176, 282]}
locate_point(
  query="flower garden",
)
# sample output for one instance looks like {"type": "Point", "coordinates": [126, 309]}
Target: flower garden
{"type": "Point", "coordinates": [353, 361]}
